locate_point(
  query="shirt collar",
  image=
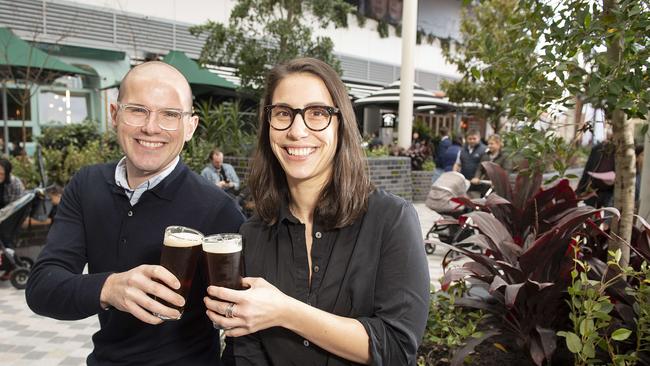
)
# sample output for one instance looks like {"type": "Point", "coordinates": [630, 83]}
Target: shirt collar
{"type": "Point", "coordinates": [122, 181]}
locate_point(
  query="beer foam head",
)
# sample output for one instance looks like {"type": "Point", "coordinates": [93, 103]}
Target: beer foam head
{"type": "Point", "coordinates": [223, 246]}
{"type": "Point", "coordinates": [184, 239]}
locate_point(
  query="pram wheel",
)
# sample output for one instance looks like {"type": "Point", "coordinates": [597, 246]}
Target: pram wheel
{"type": "Point", "coordinates": [19, 278]}
{"type": "Point", "coordinates": [24, 262]}
{"type": "Point", "coordinates": [429, 248]}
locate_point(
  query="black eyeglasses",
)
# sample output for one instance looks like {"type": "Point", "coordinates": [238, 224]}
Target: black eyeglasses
{"type": "Point", "coordinates": [316, 117]}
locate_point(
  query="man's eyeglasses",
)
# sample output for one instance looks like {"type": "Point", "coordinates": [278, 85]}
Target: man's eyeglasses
{"type": "Point", "coordinates": [317, 118]}
{"type": "Point", "coordinates": [135, 115]}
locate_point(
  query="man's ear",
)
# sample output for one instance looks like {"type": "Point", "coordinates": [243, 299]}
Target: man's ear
{"type": "Point", "coordinates": [114, 108]}
{"type": "Point", "coordinates": [191, 127]}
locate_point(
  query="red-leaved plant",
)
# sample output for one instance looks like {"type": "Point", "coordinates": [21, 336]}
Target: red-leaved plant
{"type": "Point", "coordinates": [527, 235]}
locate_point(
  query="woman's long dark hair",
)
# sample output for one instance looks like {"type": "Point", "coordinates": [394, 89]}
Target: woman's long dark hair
{"type": "Point", "coordinates": [345, 197]}
{"type": "Point", "coordinates": [7, 165]}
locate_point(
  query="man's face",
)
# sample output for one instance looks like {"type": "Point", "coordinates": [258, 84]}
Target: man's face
{"type": "Point", "coordinates": [150, 149]}
{"type": "Point", "coordinates": [217, 160]}
{"type": "Point", "coordinates": [472, 140]}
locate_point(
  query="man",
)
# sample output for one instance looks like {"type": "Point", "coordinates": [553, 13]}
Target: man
{"type": "Point", "coordinates": [470, 156]}
{"type": "Point", "coordinates": [441, 149]}
{"type": "Point", "coordinates": [601, 160]}
{"type": "Point", "coordinates": [221, 174]}
{"type": "Point", "coordinates": [113, 216]}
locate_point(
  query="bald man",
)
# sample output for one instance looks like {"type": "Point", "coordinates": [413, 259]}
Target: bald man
{"type": "Point", "coordinates": [112, 217]}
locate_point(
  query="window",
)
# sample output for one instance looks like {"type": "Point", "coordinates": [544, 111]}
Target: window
{"type": "Point", "coordinates": [14, 105]}
{"type": "Point", "coordinates": [63, 106]}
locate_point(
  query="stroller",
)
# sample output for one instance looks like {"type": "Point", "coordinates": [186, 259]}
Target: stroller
{"type": "Point", "coordinates": [31, 204]}
{"type": "Point", "coordinates": [447, 186]}
{"type": "Point", "coordinates": [11, 218]}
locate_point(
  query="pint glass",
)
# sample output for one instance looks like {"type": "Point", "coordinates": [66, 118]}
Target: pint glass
{"type": "Point", "coordinates": [180, 254]}
{"type": "Point", "coordinates": [223, 257]}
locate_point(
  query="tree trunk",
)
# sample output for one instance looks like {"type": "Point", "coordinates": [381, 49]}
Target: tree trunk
{"type": "Point", "coordinates": [624, 186]}
{"type": "Point", "coordinates": [625, 158]}
{"type": "Point", "coordinates": [644, 195]}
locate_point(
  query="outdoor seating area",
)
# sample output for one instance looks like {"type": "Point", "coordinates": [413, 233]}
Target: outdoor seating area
{"type": "Point", "coordinates": [381, 182]}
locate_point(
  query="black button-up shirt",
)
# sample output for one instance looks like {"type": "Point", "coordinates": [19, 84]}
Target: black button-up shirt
{"type": "Point", "coordinates": [374, 270]}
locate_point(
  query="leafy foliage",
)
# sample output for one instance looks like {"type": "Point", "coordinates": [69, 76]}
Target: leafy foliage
{"type": "Point", "coordinates": [498, 62]}
{"type": "Point", "coordinates": [526, 234]}
{"type": "Point", "coordinates": [262, 33]}
{"type": "Point", "coordinates": [449, 326]}
{"type": "Point", "coordinates": [225, 126]}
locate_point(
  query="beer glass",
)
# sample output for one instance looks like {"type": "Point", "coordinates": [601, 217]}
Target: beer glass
{"type": "Point", "coordinates": [223, 258]}
{"type": "Point", "coordinates": [180, 253]}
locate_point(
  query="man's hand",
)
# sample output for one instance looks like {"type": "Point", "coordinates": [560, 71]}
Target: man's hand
{"type": "Point", "coordinates": [475, 181]}
{"type": "Point", "coordinates": [222, 184]}
{"type": "Point", "coordinates": [133, 292]}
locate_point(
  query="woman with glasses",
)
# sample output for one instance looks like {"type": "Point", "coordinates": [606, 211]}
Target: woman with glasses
{"type": "Point", "coordinates": [335, 270]}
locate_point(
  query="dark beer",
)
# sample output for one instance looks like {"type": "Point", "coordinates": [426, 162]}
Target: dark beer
{"type": "Point", "coordinates": [180, 254]}
{"type": "Point", "coordinates": [223, 257]}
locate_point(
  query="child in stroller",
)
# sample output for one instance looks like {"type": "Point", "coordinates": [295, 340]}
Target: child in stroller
{"type": "Point", "coordinates": [12, 216]}
{"type": "Point", "coordinates": [444, 189]}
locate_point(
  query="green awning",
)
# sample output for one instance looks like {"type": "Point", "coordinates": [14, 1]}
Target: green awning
{"type": "Point", "coordinates": [194, 73]}
{"type": "Point", "coordinates": [81, 52]}
{"type": "Point", "coordinates": [14, 52]}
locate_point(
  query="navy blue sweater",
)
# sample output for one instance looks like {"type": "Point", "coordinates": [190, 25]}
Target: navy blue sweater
{"type": "Point", "coordinates": [96, 224]}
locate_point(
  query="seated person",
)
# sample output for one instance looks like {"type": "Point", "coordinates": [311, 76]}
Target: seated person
{"type": "Point", "coordinates": [11, 187]}
{"type": "Point", "coordinates": [220, 173]}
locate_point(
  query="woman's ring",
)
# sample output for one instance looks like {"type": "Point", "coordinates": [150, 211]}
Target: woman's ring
{"type": "Point", "coordinates": [229, 310]}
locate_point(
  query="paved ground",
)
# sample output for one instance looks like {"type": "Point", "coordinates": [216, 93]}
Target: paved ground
{"type": "Point", "coordinates": [29, 339]}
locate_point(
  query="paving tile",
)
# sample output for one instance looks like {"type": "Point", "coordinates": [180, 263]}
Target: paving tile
{"type": "Point", "coordinates": [72, 361]}
{"type": "Point", "coordinates": [34, 355]}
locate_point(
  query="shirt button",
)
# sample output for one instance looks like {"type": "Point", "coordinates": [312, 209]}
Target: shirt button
{"type": "Point", "coordinates": [318, 235]}
{"type": "Point", "coordinates": [316, 269]}
{"type": "Point", "coordinates": [306, 343]}
{"type": "Point", "coordinates": [130, 213]}
{"type": "Point", "coordinates": [123, 241]}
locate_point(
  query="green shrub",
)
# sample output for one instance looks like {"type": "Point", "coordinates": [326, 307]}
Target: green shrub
{"type": "Point", "coordinates": [449, 325]}
{"type": "Point", "coordinates": [225, 126]}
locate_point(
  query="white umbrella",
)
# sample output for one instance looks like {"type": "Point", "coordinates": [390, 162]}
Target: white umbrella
{"type": "Point", "coordinates": [390, 95]}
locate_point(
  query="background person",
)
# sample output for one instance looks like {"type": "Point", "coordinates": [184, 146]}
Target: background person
{"type": "Point", "coordinates": [470, 155]}
{"type": "Point", "coordinates": [113, 216]}
{"type": "Point", "coordinates": [494, 153]}
{"type": "Point", "coordinates": [441, 149]}
{"type": "Point", "coordinates": [11, 187]}
{"type": "Point", "coordinates": [220, 173]}
{"type": "Point", "coordinates": [336, 270]}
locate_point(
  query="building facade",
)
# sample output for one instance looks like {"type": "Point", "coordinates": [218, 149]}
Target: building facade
{"type": "Point", "coordinates": [108, 36]}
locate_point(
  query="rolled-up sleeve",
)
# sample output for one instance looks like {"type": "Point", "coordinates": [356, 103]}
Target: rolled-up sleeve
{"type": "Point", "coordinates": [56, 288]}
{"type": "Point", "coordinates": [401, 292]}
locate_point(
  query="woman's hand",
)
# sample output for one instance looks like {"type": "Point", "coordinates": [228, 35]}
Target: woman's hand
{"type": "Point", "coordinates": [260, 306]}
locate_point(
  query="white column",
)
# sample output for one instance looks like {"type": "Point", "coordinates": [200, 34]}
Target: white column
{"type": "Point", "coordinates": [407, 76]}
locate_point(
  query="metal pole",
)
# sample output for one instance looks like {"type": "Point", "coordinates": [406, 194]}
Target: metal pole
{"type": "Point", "coordinates": [5, 118]}
{"type": "Point", "coordinates": [407, 77]}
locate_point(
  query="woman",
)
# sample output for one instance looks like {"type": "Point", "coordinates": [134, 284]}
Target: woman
{"type": "Point", "coordinates": [495, 155]}
{"type": "Point", "coordinates": [11, 187]}
{"type": "Point", "coordinates": [337, 273]}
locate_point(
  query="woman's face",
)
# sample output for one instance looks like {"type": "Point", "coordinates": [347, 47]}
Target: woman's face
{"type": "Point", "coordinates": [494, 146]}
{"type": "Point", "coordinates": [2, 174]}
{"type": "Point", "coordinates": [305, 155]}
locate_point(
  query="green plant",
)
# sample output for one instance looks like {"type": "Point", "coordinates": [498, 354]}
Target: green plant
{"type": "Point", "coordinates": [68, 148]}
{"type": "Point", "coordinates": [590, 315]}
{"type": "Point", "coordinates": [450, 325]}
{"type": "Point", "coordinates": [382, 28]}
{"type": "Point", "coordinates": [226, 126]}
{"type": "Point", "coordinates": [377, 152]}
{"type": "Point", "coordinates": [195, 154]}
{"type": "Point", "coordinates": [599, 333]}
{"type": "Point", "coordinates": [525, 233]}
{"type": "Point", "coordinates": [24, 168]}
{"type": "Point", "coordinates": [429, 165]}
{"type": "Point", "coordinates": [62, 136]}
{"type": "Point", "coordinates": [268, 32]}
